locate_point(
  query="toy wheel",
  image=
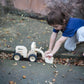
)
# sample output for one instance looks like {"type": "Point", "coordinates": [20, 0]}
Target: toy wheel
{"type": "Point", "coordinates": [17, 57]}
{"type": "Point", "coordinates": [32, 58]}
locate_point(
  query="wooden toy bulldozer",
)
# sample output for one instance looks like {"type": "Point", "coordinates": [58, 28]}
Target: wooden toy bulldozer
{"type": "Point", "coordinates": [22, 52]}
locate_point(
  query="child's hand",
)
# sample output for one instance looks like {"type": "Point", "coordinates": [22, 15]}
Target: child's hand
{"type": "Point", "coordinates": [49, 55]}
{"type": "Point", "coordinates": [48, 51]}
{"type": "Point", "coordinates": [83, 54]}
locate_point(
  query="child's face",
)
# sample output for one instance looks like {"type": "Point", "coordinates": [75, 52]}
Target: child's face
{"type": "Point", "coordinates": [57, 26]}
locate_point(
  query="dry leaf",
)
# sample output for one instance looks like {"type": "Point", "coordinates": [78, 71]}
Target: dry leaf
{"type": "Point", "coordinates": [53, 80]}
{"type": "Point", "coordinates": [24, 67]}
{"type": "Point", "coordinates": [15, 64]}
{"type": "Point", "coordinates": [24, 77]}
{"type": "Point", "coordinates": [29, 37]}
{"type": "Point", "coordinates": [11, 82]}
{"type": "Point", "coordinates": [44, 64]}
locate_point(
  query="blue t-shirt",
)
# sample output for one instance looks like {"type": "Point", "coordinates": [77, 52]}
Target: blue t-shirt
{"type": "Point", "coordinates": [72, 26]}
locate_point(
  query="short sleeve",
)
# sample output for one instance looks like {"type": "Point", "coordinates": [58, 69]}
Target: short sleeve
{"type": "Point", "coordinates": [56, 31]}
{"type": "Point", "coordinates": [73, 25]}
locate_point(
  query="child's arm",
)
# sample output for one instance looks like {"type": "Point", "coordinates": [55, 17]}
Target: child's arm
{"type": "Point", "coordinates": [52, 40]}
{"type": "Point", "coordinates": [58, 44]}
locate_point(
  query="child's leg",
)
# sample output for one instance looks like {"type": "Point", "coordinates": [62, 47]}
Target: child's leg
{"type": "Point", "coordinates": [80, 35]}
{"type": "Point", "coordinates": [70, 43]}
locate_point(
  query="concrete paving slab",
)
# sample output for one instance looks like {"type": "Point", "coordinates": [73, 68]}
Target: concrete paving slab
{"type": "Point", "coordinates": [39, 73]}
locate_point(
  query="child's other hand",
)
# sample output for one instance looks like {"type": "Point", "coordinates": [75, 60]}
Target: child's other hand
{"type": "Point", "coordinates": [49, 55]}
{"type": "Point", "coordinates": [83, 54]}
{"type": "Point", "coordinates": [48, 51]}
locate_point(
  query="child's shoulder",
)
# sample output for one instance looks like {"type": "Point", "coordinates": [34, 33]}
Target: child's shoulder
{"type": "Point", "coordinates": [75, 19]}
{"type": "Point", "coordinates": [75, 23]}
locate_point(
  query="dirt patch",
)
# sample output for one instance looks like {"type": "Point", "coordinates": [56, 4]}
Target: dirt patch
{"type": "Point", "coordinates": [57, 60]}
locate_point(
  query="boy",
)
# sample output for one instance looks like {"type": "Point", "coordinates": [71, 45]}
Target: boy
{"type": "Point", "coordinates": [72, 31]}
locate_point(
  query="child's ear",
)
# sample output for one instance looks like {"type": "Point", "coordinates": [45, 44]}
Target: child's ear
{"type": "Point", "coordinates": [64, 21]}
{"type": "Point", "coordinates": [63, 14]}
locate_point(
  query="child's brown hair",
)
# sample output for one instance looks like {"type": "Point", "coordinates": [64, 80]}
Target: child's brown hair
{"type": "Point", "coordinates": [56, 16]}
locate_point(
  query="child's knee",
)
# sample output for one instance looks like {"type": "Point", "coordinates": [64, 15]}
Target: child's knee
{"type": "Point", "coordinates": [69, 48]}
